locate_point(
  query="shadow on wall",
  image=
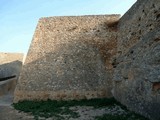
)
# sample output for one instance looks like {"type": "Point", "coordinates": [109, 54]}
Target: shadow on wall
{"type": "Point", "coordinates": [82, 64]}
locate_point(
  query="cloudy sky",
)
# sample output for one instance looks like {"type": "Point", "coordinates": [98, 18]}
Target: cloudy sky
{"type": "Point", "coordinates": [18, 18]}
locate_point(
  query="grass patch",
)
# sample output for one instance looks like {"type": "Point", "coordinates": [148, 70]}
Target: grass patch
{"type": "Point", "coordinates": [120, 117]}
{"type": "Point", "coordinates": [129, 116]}
{"type": "Point", "coordinates": [60, 109]}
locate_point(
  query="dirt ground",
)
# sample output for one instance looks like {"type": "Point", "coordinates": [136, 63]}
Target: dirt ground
{"type": "Point", "coordinates": [7, 112]}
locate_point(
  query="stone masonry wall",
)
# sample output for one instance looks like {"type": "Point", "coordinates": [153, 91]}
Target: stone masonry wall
{"type": "Point", "coordinates": [137, 72]}
{"type": "Point", "coordinates": [70, 58]}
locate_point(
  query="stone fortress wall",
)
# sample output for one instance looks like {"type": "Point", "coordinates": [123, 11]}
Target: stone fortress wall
{"type": "Point", "coordinates": [87, 57]}
{"type": "Point", "coordinates": [70, 58]}
{"type": "Point", "coordinates": [137, 73]}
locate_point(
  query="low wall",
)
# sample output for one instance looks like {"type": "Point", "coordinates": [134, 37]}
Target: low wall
{"type": "Point", "coordinates": [10, 68]}
{"type": "Point", "coordinates": [8, 86]}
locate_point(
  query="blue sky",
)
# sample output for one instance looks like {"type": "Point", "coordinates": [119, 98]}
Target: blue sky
{"type": "Point", "coordinates": [18, 18]}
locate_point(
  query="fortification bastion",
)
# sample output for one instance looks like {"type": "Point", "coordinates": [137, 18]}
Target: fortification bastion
{"type": "Point", "coordinates": [69, 58]}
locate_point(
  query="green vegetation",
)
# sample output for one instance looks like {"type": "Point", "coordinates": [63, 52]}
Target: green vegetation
{"type": "Point", "coordinates": [61, 109]}
{"type": "Point", "coordinates": [129, 116]}
{"type": "Point", "coordinates": [111, 117]}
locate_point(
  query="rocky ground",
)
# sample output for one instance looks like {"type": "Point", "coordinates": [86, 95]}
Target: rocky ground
{"type": "Point", "coordinates": [7, 112]}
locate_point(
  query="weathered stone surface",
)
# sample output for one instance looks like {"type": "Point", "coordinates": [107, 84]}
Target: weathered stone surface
{"type": "Point", "coordinates": [8, 86]}
{"type": "Point", "coordinates": [69, 58]}
{"type": "Point", "coordinates": [137, 73]}
{"type": "Point", "coordinates": [10, 66]}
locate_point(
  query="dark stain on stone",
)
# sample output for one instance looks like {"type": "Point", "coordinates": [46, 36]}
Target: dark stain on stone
{"type": "Point", "coordinates": [112, 26]}
{"type": "Point", "coordinates": [156, 86]}
{"type": "Point", "coordinates": [157, 39]}
{"type": "Point", "coordinates": [158, 17]}
{"type": "Point", "coordinates": [131, 51]}
{"type": "Point", "coordinates": [72, 29]}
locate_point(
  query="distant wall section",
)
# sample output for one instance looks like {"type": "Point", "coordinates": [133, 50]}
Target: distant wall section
{"type": "Point", "coordinates": [10, 68]}
{"type": "Point", "coordinates": [10, 64]}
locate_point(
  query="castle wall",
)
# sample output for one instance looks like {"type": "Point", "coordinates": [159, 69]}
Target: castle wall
{"type": "Point", "coordinates": [137, 72]}
{"type": "Point", "coordinates": [69, 58]}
